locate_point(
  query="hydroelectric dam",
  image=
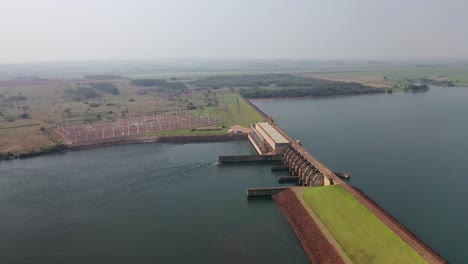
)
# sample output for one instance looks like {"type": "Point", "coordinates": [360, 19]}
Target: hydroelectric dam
{"type": "Point", "coordinates": [272, 143]}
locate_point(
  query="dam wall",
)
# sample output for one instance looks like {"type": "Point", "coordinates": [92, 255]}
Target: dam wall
{"type": "Point", "coordinates": [248, 158]}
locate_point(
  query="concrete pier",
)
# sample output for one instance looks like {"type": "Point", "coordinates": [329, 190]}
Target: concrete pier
{"type": "Point", "coordinates": [248, 158]}
{"type": "Point", "coordinates": [288, 179]}
{"type": "Point", "coordinates": [258, 192]}
{"type": "Point", "coordinates": [343, 175]}
{"type": "Point", "coordinates": [279, 168]}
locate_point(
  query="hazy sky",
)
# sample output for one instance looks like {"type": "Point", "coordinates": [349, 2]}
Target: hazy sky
{"type": "Point", "coordinates": [65, 30]}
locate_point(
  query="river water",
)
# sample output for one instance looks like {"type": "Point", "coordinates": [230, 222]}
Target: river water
{"type": "Point", "coordinates": [170, 203]}
{"type": "Point", "coordinates": [407, 151]}
{"type": "Point", "coordinates": [151, 203]}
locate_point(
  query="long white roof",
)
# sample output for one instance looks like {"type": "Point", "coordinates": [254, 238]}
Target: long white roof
{"type": "Point", "coordinates": [273, 133]}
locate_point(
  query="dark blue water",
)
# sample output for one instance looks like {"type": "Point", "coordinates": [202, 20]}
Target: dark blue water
{"type": "Point", "coordinates": [151, 203]}
{"type": "Point", "coordinates": [409, 152]}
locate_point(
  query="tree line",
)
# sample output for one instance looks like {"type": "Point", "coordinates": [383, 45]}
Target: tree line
{"type": "Point", "coordinates": [160, 85]}
{"type": "Point", "coordinates": [284, 85]}
{"type": "Point", "coordinates": [304, 92]}
{"type": "Point", "coordinates": [82, 93]}
{"type": "Point", "coordinates": [417, 88]}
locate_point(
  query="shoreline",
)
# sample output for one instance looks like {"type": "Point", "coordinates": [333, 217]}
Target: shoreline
{"type": "Point", "coordinates": [162, 139]}
{"type": "Point", "coordinates": [316, 97]}
{"type": "Point", "coordinates": [395, 91]}
{"type": "Point", "coordinates": [62, 148]}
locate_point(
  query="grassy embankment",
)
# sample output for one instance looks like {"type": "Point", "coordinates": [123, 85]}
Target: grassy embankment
{"type": "Point", "coordinates": [242, 112]}
{"type": "Point", "coordinates": [362, 236]}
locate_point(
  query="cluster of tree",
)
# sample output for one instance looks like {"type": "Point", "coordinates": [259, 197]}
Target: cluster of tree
{"type": "Point", "coordinates": [191, 106]}
{"type": "Point", "coordinates": [147, 91]}
{"type": "Point", "coordinates": [94, 105]}
{"type": "Point", "coordinates": [102, 77]}
{"type": "Point", "coordinates": [24, 116]}
{"type": "Point", "coordinates": [105, 87]}
{"type": "Point", "coordinates": [261, 80]}
{"type": "Point", "coordinates": [416, 87]}
{"type": "Point", "coordinates": [81, 93]}
{"type": "Point", "coordinates": [18, 97]}
{"type": "Point", "coordinates": [148, 82]}
{"type": "Point", "coordinates": [12, 117]}
{"type": "Point", "coordinates": [284, 85]}
{"type": "Point", "coordinates": [43, 150]}
{"type": "Point", "coordinates": [7, 156]}
{"type": "Point", "coordinates": [308, 91]}
{"type": "Point", "coordinates": [91, 117]}
{"type": "Point", "coordinates": [68, 112]}
{"type": "Point", "coordinates": [162, 84]}
{"type": "Point", "coordinates": [436, 82]}
{"type": "Point", "coordinates": [173, 86]}
{"type": "Point", "coordinates": [28, 78]}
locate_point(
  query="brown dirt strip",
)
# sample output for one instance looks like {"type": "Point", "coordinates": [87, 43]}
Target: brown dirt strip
{"type": "Point", "coordinates": [228, 111]}
{"type": "Point", "coordinates": [314, 242]}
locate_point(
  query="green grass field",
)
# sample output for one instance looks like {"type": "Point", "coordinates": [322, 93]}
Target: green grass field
{"type": "Point", "coordinates": [217, 113]}
{"type": "Point", "coordinates": [243, 113]}
{"type": "Point", "coordinates": [452, 73]}
{"type": "Point", "coordinates": [362, 236]}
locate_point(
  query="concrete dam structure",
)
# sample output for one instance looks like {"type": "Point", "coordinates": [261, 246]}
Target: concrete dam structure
{"type": "Point", "coordinates": [272, 143]}
{"type": "Point", "coordinates": [307, 174]}
{"type": "Point", "coordinates": [268, 138]}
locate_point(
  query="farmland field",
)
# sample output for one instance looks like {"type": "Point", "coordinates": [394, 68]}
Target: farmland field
{"type": "Point", "coordinates": [28, 109]}
{"type": "Point", "coordinates": [390, 76]}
